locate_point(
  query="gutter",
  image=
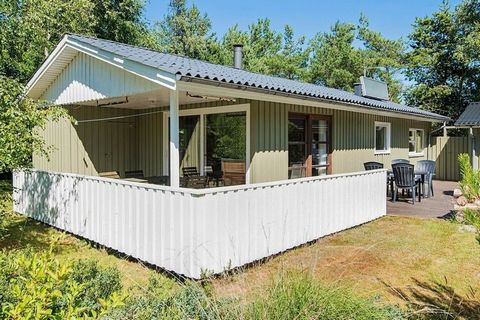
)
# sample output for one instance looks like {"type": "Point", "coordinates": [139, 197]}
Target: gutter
{"type": "Point", "coordinates": [300, 96]}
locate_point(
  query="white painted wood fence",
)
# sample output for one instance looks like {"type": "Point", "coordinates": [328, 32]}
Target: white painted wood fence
{"type": "Point", "coordinates": [193, 231]}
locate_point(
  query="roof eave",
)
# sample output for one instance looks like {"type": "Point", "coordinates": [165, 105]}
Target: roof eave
{"type": "Point", "coordinates": [433, 118]}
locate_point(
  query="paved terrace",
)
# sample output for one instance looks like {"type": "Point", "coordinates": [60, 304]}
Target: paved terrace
{"type": "Point", "coordinates": [435, 207]}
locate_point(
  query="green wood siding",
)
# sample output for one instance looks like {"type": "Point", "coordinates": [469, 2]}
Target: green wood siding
{"type": "Point", "coordinates": [87, 78]}
{"type": "Point", "coordinates": [89, 148]}
{"type": "Point", "coordinates": [149, 153]}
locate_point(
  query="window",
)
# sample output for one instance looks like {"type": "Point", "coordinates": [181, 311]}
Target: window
{"type": "Point", "coordinates": [415, 142]}
{"type": "Point", "coordinates": [382, 137]}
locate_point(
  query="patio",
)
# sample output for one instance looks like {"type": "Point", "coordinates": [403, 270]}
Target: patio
{"type": "Point", "coordinates": [434, 207]}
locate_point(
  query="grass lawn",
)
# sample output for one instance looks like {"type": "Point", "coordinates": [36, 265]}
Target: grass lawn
{"type": "Point", "coordinates": [393, 259]}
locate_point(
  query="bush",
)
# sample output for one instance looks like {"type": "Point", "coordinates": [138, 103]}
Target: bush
{"type": "Point", "coordinates": [470, 181]}
{"type": "Point", "coordinates": [34, 285]}
{"type": "Point", "coordinates": [299, 296]}
{"type": "Point", "coordinates": [472, 217]}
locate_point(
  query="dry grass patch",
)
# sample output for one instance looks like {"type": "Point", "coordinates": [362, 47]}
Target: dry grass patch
{"type": "Point", "coordinates": [373, 259]}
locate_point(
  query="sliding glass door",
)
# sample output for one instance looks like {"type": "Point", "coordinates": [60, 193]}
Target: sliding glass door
{"type": "Point", "coordinates": [214, 143]}
{"type": "Point", "coordinates": [225, 146]}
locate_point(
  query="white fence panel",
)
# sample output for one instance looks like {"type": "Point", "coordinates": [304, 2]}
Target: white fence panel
{"type": "Point", "coordinates": [193, 231]}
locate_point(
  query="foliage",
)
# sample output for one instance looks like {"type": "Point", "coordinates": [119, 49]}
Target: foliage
{"type": "Point", "coordinates": [444, 60]}
{"type": "Point", "coordinates": [32, 28]}
{"type": "Point", "coordinates": [299, 296]}
{"type": "Point", "coordinates": [122, 21]}
{"type": "Point", "coordinates": [472, 217]}
{"type": "Point", "coordinates": [5, 206]}
{"type": "Point", "coordinates": [266, 50]}
{"type": "Point", "coordinates": [18, 118]}
{"type": "Point", "coordinates": [185, 31]}
{"type": "Point", "coordinates": [470, 181]}
{"type": "Point", "coordinates": [36, 285]}
{"type": "Point", "coordinates": [382, 57]}
{"type": "Point", "coordinates": [291, 61]}
{"type": "Point", "coordinates": [337, 62]}
{"type": "Point", "coordinates": [291, 296]}
{"type": "Point", "coordinates": [163, 300]}
{"type": "Point", "coordinates": [226, 134]}
{"type": "Point", "coordinates": [101, 282]}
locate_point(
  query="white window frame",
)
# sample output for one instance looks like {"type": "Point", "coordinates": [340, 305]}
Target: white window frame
{"type": "Point", "coordinates": [388, 126]}
{"type": "Point", "coordinates": [203, 112]}
{"type": "Point", "coordinates": [415, 153]}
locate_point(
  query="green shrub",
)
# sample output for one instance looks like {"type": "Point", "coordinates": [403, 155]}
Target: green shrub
{"type": "Point", "coordinates": [36, 286]}
{"type": "Point", "coordinates": [102, 282]}
{"type": "Point", "coordinates": [470, 178]}
{"type": "Point", "coordinates": [299, 296]}
{"type": "Point", "coordinates": [472, 217]}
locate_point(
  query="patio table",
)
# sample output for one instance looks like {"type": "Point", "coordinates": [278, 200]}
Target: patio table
{"type": "Point", "coordinates": [420, 173]}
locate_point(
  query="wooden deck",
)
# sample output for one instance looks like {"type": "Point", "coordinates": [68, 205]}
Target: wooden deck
{"type": "Point", "coordinates": [435, 207]}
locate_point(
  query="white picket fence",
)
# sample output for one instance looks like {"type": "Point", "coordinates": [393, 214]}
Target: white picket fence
{"type": "Point", "coordinates": [193, 231]}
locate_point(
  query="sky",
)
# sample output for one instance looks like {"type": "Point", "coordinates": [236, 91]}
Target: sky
{"type": "Point", "coordinates": [393, 18]}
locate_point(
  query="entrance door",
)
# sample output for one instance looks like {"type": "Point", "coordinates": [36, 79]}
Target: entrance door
{"type": "Point", "coordinates": [309, 145]}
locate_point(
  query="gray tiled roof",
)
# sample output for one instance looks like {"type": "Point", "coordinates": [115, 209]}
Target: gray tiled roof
{"type": "Point", "coordinates": [471, 115]}
{"type": "Point", "coordinates": [187, 67]}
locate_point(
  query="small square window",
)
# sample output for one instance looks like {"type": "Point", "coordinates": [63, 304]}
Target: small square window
{"type": "Point", "coordinates": [416, 142]}
{"type": "Point", "coordinates": [382, 137]}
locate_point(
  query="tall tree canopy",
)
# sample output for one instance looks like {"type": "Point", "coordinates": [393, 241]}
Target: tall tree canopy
{"type": "Point", "coordinates": [267, 51]}
{"type": "Point", "coordinates": [31, 28]}
{"type": "Point", "coordinates": [122, 21]}
{"type": "Point", "coordinates": [185, 31]}
{"type": "Point", "coordinates": [444, 60]}
{"type": "Point", "coordinates": [338, 62]}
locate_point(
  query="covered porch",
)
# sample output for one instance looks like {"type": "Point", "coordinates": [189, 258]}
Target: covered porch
{"type": "Point", "coordinates": [161, 136]}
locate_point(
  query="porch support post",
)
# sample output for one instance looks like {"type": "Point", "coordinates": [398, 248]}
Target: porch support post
{"type": "Point", "coordinates": [174, 140]}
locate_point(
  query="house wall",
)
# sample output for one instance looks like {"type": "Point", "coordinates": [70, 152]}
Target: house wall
{"type": "Point", "coordinates": [136, 143]}
{"type": "Point", "coordinates": [86, 78]}
{"type": "Point", "coordinates": [149, 152]}
{"type": "Point", "coordinates": [92, 147]}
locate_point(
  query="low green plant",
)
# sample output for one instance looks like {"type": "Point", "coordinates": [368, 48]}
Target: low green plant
{"type": "Point", "coordinates": [37, 286]}
{"type": "Point", "coordinates": [470, 178]}
{"type": "Point", "coordinates": [472, 217]}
